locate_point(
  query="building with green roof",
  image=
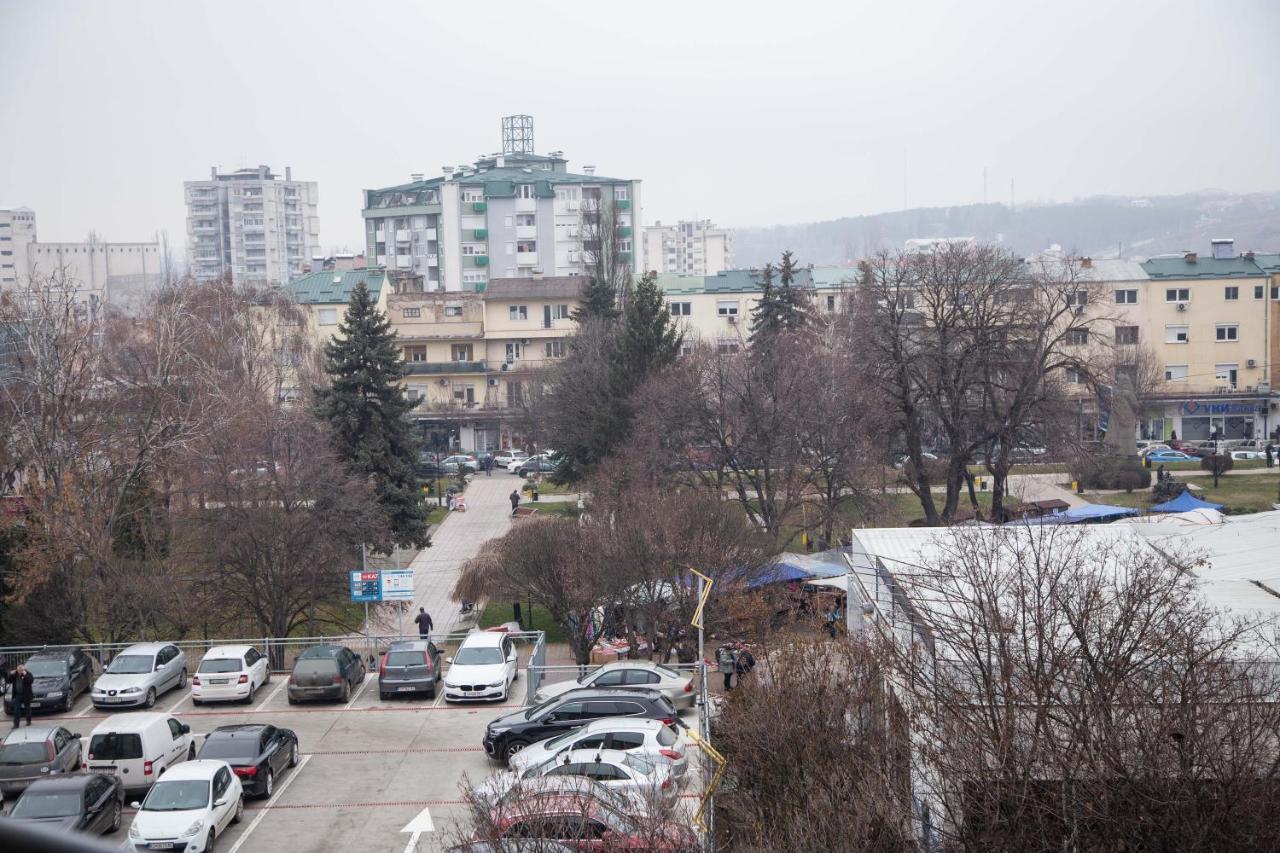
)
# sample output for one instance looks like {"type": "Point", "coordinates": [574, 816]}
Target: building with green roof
{"type": "Point", "coordinates": [514, 214]}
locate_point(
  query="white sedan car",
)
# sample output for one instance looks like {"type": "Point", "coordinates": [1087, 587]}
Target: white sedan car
{"type": "Point", "coordinates": [229, 673]}
{"type": "Point", "coordinates": [652, 740]}
{"type": "Point", "coordinates": [189, 808]}
{"type": "Point", "coordinates": [483, 667]}
{"type": "Point", "coordinates": [612, 768]}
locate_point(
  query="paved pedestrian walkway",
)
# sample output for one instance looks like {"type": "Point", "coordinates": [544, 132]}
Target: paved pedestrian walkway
{"type": "Point", "coordinates": [458, 538]}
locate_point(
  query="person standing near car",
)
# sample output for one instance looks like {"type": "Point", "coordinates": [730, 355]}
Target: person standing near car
{"type": "Point", "coordinates": [1271, 457]}
{"type": "Point", "coordinates": [20, 681]}
{"type": "Point", "coordinates": [743, 661]}
{"type": "Point", "coordinates": [423, 621]}
{"type": "Point", "coordinates": [515, 501]}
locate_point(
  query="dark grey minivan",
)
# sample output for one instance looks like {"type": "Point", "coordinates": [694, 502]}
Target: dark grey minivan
{"type": "Point", "coordinates": [409, 667]}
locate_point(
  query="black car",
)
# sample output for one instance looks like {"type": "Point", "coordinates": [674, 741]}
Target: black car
{"type": "Point", "coordinates": [257, 754]}
{"type": "Point", "coordinates": [85, 802]}
{"type": "Point", "coordinates": [326, 672]}
{"type": "Point", "coordinates": [58, 677]}
{"type": "Point", "coordinates": [509, 734]}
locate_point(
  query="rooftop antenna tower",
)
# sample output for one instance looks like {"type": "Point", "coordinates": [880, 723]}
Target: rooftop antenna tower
{"type": "Point", "coordinates": [517, 134]}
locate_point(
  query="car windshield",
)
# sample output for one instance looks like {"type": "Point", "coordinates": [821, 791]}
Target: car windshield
{"type": "Point", "coordinates": [35, 805]}
{"type": "Point", "coordinates": [406, 658]}
{"type": "Point", "coordinates": [131, 665]}
{"type": "Point", "coordinates": [177, 796]}
{"type": "Point", "coordinates": [32, 752]}
{"type": "Point", "coordinates": [220, 665]}
{"type": "Point", "coordinates": [539, 708]}
{"type": "Point", "coordinates": [319, 653]}
{"type": "Point", "coordinates": [230, 748]}
{"type": "Point", "coordinates": [113, 747]}
{"type": "Point", "coordinates": [46, 668]}
{"type": "Point", "coordinates": [478, 657]}
{"type": "Point", "coordinates": [559, 739]}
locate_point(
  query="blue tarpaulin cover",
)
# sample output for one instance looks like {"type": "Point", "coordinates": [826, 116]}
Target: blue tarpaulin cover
{"type": "Point", "coordinates": [1184, 502]}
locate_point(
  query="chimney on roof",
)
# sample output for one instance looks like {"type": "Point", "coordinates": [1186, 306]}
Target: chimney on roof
{"type": "Point", "coordinates": [588, 170]}
{"type": "Point", "coordinates": [537, 275]}
{"type": "Point", "coordinates": [1248, 256]}
{"type": "Point", "coordinates": [1086, 262]}
{"type": "Point", "coordinates": [1189, 257]}
{"type": "Point", "coordinates": [1224, 247]}
{"type": "Point", "coordinates": [415, 177]}
{"type": "Point", "coordinates": [288, 173]}
{"type": "Point", "coordinates": [213, 173]}
{"type": "Point", "coordinates": [500, 161]}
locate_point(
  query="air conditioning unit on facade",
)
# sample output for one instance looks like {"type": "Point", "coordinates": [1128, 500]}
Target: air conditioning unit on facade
{"type": "Point", "coordinates": [1182, 306]}
{"type": "Point", "coordinates": [493, 383]}
{"type": "Point", "coordinates": [524, 342]}
{"type": "Point", "coordinates": [1253, 362]}
{"type": "Point", "coordinates": [732, 318]}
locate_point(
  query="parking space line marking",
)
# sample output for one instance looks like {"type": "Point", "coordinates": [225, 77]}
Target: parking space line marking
{"type": "Point", "coordinates": [368, 677]}
{"type": "Point", "coordinates": [394, 751]}
{"type": "Point", "coordinates": [274, 694]}
{"type": "Point", "coordinates": [87, 709]}
{"type": "Point", "coordinates": [253, 824]}
{"type": "Point", "coordinates": [179, 702]}
{"type": "Point", "coordinates": [401, 709]}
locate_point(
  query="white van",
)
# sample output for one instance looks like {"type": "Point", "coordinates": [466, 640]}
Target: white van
{"type": "Point", "coordinates": [230, 673]}
{"type": "Point", "coordinates": [138, 748]}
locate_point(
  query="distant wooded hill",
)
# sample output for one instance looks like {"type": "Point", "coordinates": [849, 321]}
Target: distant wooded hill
{"type": "Point", "coordinates": [1101, 227]}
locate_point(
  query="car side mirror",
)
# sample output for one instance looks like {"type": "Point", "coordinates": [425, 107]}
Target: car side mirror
{"type": "Point", "coordinates": [159, 667]}
{"type": "Point", "coordinates": [184, 728]}
{"type": "Point", "coordinates": [448, 660]}
{"type": "Point", "coordinates": [550, 718]}
{"type": "Point", "coordinates": [135, 804]}
{"type": "Point", "coordinates": [217, 804]}
{"type": "Point", "coordinates": [76, 735]}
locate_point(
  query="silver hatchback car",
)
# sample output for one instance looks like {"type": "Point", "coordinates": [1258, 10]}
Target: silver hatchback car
{"type": "Point", "coordinates": [36, 752]}
{"type": "Point", "coordinates": [139, 674]}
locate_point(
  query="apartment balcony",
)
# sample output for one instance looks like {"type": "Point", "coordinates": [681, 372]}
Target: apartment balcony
{"type": "Point", "coordinates": [427, 234]}
{"type": "Point", "coordinates": [404, 262]}
{"type": "Point", "coordinates": [429, 368]}
{"type": "Point", "coordinates": [479, 207]}
{"type": "Point", "coordinates": [433, 260]}
{"type": "Point", "coordinates": [623, 204]}
{"type": "Point", "coordinates": [403, 235]}
{"type": "Point", "coordinates": [526, 205]}
{"type": "Point", "coordinates": [526, 232]}
{"type": "Point", "coordinates": [380, 235]}
{"type": "Point", "coordinates": [526, 259]}
{"type": "Point", "coordinates": [479, 260]}
{"type": "Point", "coordinates": [480, 233]}
{"type": "Point", "coordinates": [624, 231]}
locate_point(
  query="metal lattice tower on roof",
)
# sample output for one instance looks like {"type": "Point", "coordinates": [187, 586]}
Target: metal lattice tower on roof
{"type": "Point", "coordinates": [517, 134]}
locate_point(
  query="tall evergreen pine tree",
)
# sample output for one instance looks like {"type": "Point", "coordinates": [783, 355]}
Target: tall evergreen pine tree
{"type": "Point", "coordinates": [783, 307]}
{"type": "Point", "coordinates": [366, 407]}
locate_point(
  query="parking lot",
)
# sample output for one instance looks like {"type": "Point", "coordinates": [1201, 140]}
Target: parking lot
{"type": "Point", "coordinates": [368, 767]}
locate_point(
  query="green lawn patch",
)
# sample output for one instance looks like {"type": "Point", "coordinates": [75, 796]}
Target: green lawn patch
{"type": "Point", "coordinates": [1255, 493]}
{"type": "Point", "coordinates": [565, 509]}
{"type": "Point", "coordinates": [500, 612]}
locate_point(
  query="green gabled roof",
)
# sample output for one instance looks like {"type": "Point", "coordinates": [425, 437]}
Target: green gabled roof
{"type": "Point", "coordinates": [748, 281]}
{"type": "Point", "coordinates": [500, 183]}
{"type": "Point", "coordinates": [1268, 261]}
{"type": "Point", "coordinates": [1174, 268]}
{"type": "Point", "coordinates": [331, 287]}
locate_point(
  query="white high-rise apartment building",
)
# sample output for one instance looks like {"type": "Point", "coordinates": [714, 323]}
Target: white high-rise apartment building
{"type": "Point", "coordinates": [694, 247]}
{"type": "Point", "coordinates": [251, 226]}
{"type": "Point", "coordinates": [511, 215]}
{"type": "Point", "coordinates": [17, 233]}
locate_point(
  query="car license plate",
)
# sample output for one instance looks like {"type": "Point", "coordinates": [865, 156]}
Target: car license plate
{"type": "Point", "coordinates": [110, 770]}
{"type": "Point", "coordinates": [161, 845]}
{"type": "Point", "coordinates": [404, 689]}
{"type": "Point", "coordinates": [219, 680]}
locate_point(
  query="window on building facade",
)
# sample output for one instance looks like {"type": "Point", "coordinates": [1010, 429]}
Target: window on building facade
{"type": "Point", "coordinates": [1175, 372]}
{"type": "Point", "coordinates": [524, 246]}
{"type": "Point", "coordinates": [1078, 298]}
{"type": "Point", "coordinates": [681, 309]}
{"type": "Point", "coordinates": [831, 302]}
{"type": "Point", "coordinates": [453, 310]}
{"type": "Point", "coordinates": [411, 312]}
{"type": "Point", "coordinates": [515, 393]}
{"type": "Point", "coordinates": [727, 346]}
{"type": "Point", "coordinates": [518, 312]}
{"type": "Point", "coordinates": [415, 353]}
{"type": "Point", "coordinates": [460, 352]}
{"type": "Point", "coordinates": [727, 307]}
{"type": "Point", "coordinates": [474, 277]}
{"type": "Point", "coordinates": [559, 312]}
{"type": "Point", "coordinates": [554, 349]}
{"type": "Point", "coordinates": [1231, 293]}
{"type": "Point", "coordinates": [1077, 337]}
{"type": "Point", "coordinates": [526, 219]}
{"type": "Point", "coordinates": [1227, 374]}
{"type": "Point", "coordinates": [1177, 294]}
{"type": "Point", "coordinates": [473, 195]}
{"type": "Point", "coordinates": [1126, 335]}
{"type": "Point", "coordinates": [1176, 334]}
{"type": "Point", "coordinates": [514, 352]}
{"type": "Point", "coordinates": [1258, 291]}
{"type": "Point", "coordinates": [1227, 332]}
{"type": "Point", "coordinates": [327, 316]}
{"type": "Point", "coordinates": [524, 191]}
{"type": "Point", "coordinates": [1074, 375]}
{"type": "Point", "coordinates": [620, 193]}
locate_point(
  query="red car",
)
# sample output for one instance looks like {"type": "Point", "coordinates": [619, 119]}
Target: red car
{"type": "Point", "coordinates": [584, 823]}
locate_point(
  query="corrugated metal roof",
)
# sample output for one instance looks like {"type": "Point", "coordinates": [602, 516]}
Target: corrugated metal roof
{"type": "Point", "coordinates": [335, 286]}
{"type": "Point", "coordinates": [549, 287]}
{"type": "Point", "coordinates": [1204, 267]}
{"type": "Point", "coordinates": [748, 281]}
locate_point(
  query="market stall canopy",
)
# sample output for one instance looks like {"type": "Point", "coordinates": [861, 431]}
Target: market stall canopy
{"type": "Point", "coordinates": [789, 567]}
{"type": "Point", "coordinates": [1083, 514]}
{"type": "Point", "coordinates": [1185, 502]}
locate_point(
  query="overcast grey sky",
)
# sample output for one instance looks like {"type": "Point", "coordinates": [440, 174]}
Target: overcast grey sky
{"type": "Point", "coordinates": [747, 113]}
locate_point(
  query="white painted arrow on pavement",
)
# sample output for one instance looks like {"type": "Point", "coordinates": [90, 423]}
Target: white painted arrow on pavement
{"type": "Point", "coordinates": [420, 824]}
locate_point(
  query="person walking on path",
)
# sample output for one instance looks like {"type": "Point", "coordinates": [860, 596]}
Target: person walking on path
{"type": "Point", "coordinates": [487, 464]}
{"type": "Point", "coordinates": [1270, 456]}
{"type": "Point", "coordinates": [20, 681]}
{"type": "Point", "coordinates": [515, 501]}
{"type": "Point", "coordinates": [423, 620]}
{"type": "Point", "coordinates": [727, 662]}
